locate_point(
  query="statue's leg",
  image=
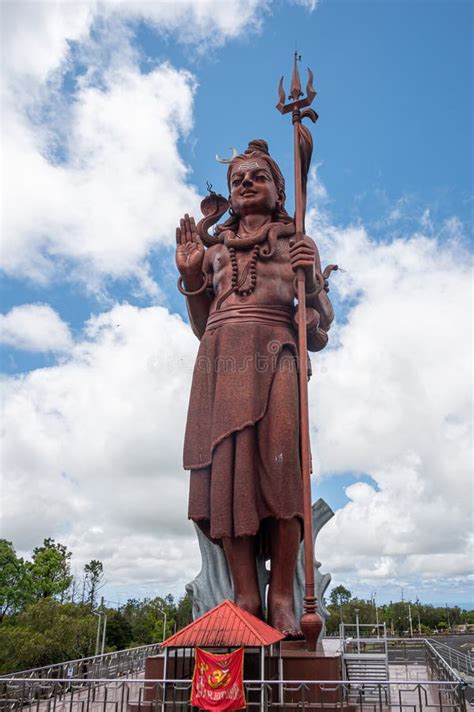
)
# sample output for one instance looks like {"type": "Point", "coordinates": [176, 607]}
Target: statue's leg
{"type": "Point", "coordinates": [285, 540]}
{"type": "Point", "coordinates": [241, 557]}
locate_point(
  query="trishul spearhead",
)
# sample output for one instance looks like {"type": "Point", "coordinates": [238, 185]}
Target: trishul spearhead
{"type": "Point", "coordinates": [296, 93]}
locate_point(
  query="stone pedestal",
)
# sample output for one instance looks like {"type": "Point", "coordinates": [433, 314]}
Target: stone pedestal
{"type": "Point", "coordinates": [293, 663]}
{"type": "Point", "coordinates": [299, 664]}
{"type": "Point", "coordinates": [296, 663]}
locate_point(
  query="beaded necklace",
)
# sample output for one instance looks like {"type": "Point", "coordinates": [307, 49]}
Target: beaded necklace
{"type": "Point", "coordinates": [239, 285]}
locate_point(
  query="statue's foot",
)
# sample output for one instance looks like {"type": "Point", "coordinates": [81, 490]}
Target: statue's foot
{"type": "Point", "coordinates": [250, 604]}
{"type": "Point", "coordinates": [281, 616]}
{"type": "Point", "coordinates": [293, 634]}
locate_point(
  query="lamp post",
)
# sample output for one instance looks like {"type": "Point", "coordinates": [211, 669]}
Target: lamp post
{"type": "Point", "coordinates": [449, 621]}
{"type": "Point", "coordinates": [97, 640]}
{"type": "Point", "coordinates": [376, 614]}
{"type": "Point", "coordinates": [161, 610]}
{"type": "Point", "coordinates": [356, 611]}
{"type": "Point", "coordinates": [103, 634]}
{"type": "Point", "coordinates": [410, 620]}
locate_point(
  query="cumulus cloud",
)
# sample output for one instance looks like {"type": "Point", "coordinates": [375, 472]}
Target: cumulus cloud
{"type": "Point", "coordinates": [37, 35]}
{"type": "Point", "coordinates": [392, 399]}
{"type": "Point", "coordinates": [119, 192]}
{"type": "Point", "coordinates": [95, 179]}
{"type": "Point", "coordinates": [95, 442]}
{"type": "Point", "coordinates": [34, 327]}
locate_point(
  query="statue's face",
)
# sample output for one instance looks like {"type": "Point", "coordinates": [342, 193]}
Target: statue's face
{"type": "Point", "coordinates": [252, 188]}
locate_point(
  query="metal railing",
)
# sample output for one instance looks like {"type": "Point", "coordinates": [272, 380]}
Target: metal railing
{"type": "Point", "coordinates": [439, 667]}
{"type": "Point", "coordinates": [459, 661]}
{"type": "Point", "coordinates": [365, 656]}
{"type": "Point", "coordinates": [121, 663]}
{"type": "Point", "coordinates": [131, 695]}
{"type": "Point", "coordinates": [415, 651]}
{"type": "Point", "coordinates": [363, 637]}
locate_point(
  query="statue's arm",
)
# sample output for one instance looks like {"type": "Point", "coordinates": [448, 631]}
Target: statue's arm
{"type": "Point", "coordinates": [305, 254]}
{"type": "Point", "coordinates": [195, 269]}
{"type": "Point", "coordinates": [323, 306]}
{"type": "Point", "coordinates": [320, 301]}
{"type": "Point", "coordinates": [198, 306]}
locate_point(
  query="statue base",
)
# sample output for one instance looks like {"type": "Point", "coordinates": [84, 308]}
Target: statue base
{"type": "Point", "coordinates": [301, 664]}
{"type": "Point", "coordinates": [287, 661]}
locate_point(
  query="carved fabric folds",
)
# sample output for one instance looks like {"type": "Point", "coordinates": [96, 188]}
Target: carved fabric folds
{"type": "Point", "coordinates": [242, 434]}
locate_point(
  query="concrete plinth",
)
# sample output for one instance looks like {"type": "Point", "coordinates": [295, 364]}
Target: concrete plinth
{"type": "Point", "coordinates": [291, 662]}
{"type": "Point", "coordinates": [298, 664]}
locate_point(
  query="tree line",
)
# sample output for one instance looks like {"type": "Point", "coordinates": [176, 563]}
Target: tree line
{"type": "Point", "coordinates": [400, 617]}
{"type": "Point", "coordinates": [48, 616]}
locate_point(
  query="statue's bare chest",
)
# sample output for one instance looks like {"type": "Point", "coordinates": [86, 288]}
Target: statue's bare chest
{"type": "Point", "coordinates": [225, 261]}
{"type": "Point", "coordinates": [252, 277]}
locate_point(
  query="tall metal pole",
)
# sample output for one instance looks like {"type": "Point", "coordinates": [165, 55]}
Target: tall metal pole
{"type": "Point", "coordinates": [162, 610]}
{"type": "Point", "coordinates": [357, 630]}
{"type": "Point", "coordinates": [376, 614]}
{"type": "Point", "coordinates": [102, 606]}
{"type": "Point", "coordinates": [164, 625]}
{"type": "Point", "coordinates": [103, 633]}
{"type": "Point", "coordinates": [311, 623]}
{"type": "Point", "coordinates": [97, 640]}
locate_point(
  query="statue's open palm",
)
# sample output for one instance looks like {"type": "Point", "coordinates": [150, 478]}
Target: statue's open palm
{"type": "Point", "coordinates": [189, 248]}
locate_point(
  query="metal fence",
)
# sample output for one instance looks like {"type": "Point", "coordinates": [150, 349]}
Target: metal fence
{"type": "Point", "coordinates": [108, 683]}
{"type": "Point", "coordinates": [459, 661]}
{"type": "Point", "coordinates": [129, 695]}
{"type": "Point", "coordinates": [122, 663]}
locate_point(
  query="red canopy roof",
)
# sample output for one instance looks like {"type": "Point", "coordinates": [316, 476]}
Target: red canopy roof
{"type": "Point", "coordinates": [226, 625]}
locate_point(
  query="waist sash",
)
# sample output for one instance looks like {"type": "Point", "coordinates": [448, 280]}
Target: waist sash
{"type": "Point", "coordinates": [262, 314]}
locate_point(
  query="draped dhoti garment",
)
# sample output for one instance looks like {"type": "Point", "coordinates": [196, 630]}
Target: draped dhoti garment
{"type": "Point", "coordinates": [242, 433]}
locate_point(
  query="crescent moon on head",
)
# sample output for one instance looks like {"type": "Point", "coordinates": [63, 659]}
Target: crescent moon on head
{"type": "Point", "coordinates": [227, 160]}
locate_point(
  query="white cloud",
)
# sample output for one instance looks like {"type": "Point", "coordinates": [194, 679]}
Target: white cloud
{"type": "Point", "coordinates": [197, 22]}
{"type": "Point", "coordinates": [392, 399]}
{"type": "Point", "coordinates": [121, 189]}
{"type": "Point", "coordinates": [37, 34]}
{"type": "Point", "coordinates": [95, 182]}
{"type": "Point", "coordinates": [95, 443]}
{"type": "Point", "coordinates": [34, 327]}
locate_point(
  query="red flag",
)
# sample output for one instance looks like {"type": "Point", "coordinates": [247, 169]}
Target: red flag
{"type": "Point", "coordinates": [218, 681]}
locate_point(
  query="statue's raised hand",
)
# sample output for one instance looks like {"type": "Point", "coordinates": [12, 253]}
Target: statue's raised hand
{"type": "Point", "coordinates": [189, 248]}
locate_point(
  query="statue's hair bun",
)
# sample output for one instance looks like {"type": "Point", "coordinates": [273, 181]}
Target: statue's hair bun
{"type": "Point", "coordinates": [258, 144]}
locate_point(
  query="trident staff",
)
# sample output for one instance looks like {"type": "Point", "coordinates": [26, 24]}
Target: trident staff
{"type": "Point", "coordinates": [311, 622]}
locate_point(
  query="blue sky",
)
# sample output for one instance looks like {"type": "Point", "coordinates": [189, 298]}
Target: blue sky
{"type": "Point", "coordinates": [96, 187]}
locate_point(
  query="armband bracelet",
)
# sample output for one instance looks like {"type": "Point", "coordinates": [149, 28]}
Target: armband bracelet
{"type": "Point", "coordinates": [319, 287]}
{"type": "Point", "coordinates": [201, 289]}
